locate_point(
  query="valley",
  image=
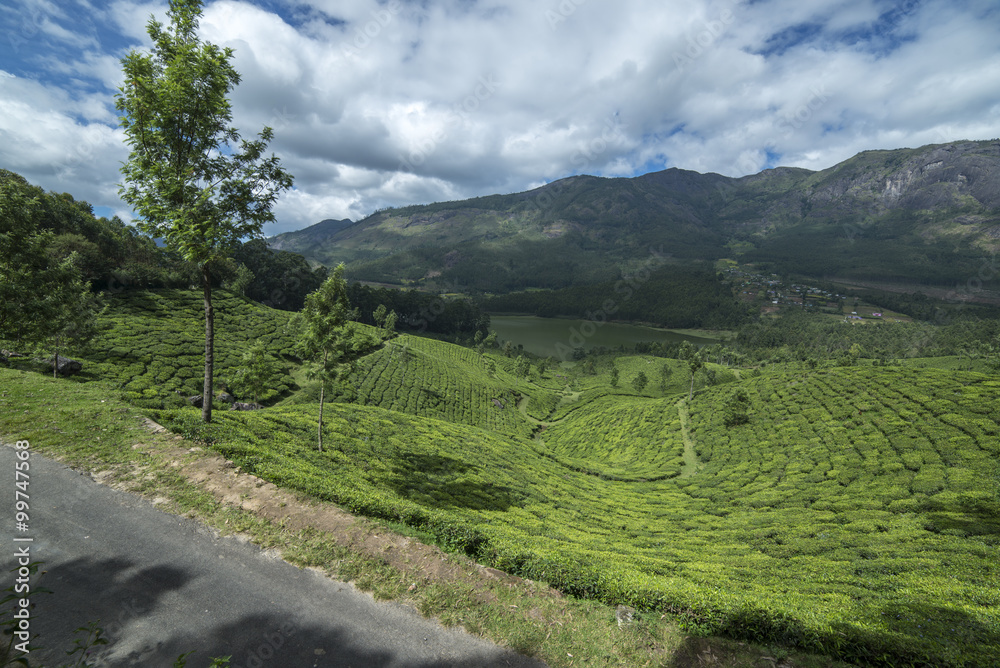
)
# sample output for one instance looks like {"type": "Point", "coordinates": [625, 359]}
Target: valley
{"type": "Point", "coordinates": [853, 514]}
{"type": "Point", "coordinates": [781, 461]}
{"type": "Point", "coordinates": [557, 337]}
{"type": "Point", "coordinates": [660, 335]}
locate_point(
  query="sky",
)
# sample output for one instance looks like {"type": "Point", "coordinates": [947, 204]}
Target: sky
{"type": "Point", "coordinates": [395, 102]}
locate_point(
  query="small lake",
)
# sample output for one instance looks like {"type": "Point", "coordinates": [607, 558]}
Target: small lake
{"type": "Point", "coordinates": [557, 337]}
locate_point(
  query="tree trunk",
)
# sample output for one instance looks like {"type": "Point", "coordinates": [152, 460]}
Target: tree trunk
{"type": "Point", "coordinates": [322, 393]}
{"type": "Point", "coordinates": [206, 395]}
{"type": "Point", "coordinates": [691, 392]}
{"type": "Point", "coordinates": [322, 390]}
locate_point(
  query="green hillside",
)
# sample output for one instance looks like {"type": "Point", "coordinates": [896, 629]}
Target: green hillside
{"type": "Point", "coordinates": [854, 515]}
{"type": "Point", "coordinates": [433, 379]}
{"type": "Point", "coordinates": [797, 528]}
{"type": "Point", "coordinates": [153, 344]}
{"type": "Point", "coordinates": [622, 439]}
{"type": "Point", "coordinates": [926, 216]}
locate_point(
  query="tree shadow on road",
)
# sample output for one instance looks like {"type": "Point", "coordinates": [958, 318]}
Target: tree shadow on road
{"type": "Point", "coordinates": [266, 640]}
{"type": "Point", "coordinates": [133, 602]}
{"type": "Point", "coordinates": [125, 593]}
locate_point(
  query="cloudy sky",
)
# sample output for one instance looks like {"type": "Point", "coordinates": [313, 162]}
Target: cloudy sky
{"type": "Point", "coordinates": [395, 102]}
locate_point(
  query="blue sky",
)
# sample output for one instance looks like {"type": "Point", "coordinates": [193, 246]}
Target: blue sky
{"type": "Point", "coordinates": [400, 102]}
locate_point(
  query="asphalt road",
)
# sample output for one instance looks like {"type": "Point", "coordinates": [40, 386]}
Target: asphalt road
{"type": "Point", "coordinates": [162, 585]}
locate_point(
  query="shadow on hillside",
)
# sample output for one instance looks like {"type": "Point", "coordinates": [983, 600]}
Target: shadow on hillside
{"type": "Point", "coordinates": [971, 521]}
{"type": "Point", "coordinates": [926, 625]}
{"type": "Point", "coordinates": [914, 633]}
{"type": "Point", "coordinates": [450, 482]}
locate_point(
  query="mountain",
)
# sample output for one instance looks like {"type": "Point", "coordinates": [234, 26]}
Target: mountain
{"type": "Point", "coordinates": [310, 237]}
{"type": "Point", "coordinates": [924, 216]}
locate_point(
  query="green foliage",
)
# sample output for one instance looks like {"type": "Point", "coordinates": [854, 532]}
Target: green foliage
{"type": "Point", "coordinates": [109, 254]}
{"type": "Point", "coordinates": [622, 439]}
{"type": "Point", "coordinates": [189, 185]}
{"type": "Point", "coordinates": [419, 311]}
{"type": "Point", "coordinates": [736, 409]}
{"type": "Point", "coordinates": [433, 379]}
{"type": "Point", "coordinates": [325, 336]}
{"type": "Point", "coordinates": [92, 636]}
{"type": "Point", "coordinates": [640, 381]}
{"type": "Point", "coordinates": [666, 371]}
{"type": "Point", "coordinates": [45, 302]}
{"type": "Point", "coordinates": [386, 322]}
{"type": "Point", "coordinates": [151, 344]}
{"type": "Point", "coordinates": [853, 497]}
{"type": "Point", "coordinates": [217, 661]}
{"type": "Point", "coordinates": [695, 363]}
{"type": "Point", "coordinates": [802, 336]}
{"type": "Point", "coordinates": [183, 176]}
{"type": "Point", "coordinates": [242, 278]}
{"type": "Point", "coordinates": [669, 296]}
{"type": "Point", "coordinates": [255, 374]}
{"type": "Point", "coordinates": [280, 279]}
{"type": "Point", "coordinates": [43, 298]}
{"type": "Point", "coordinates": [855, 515]}
{"type": "Point", "coordinates": [522, 366]}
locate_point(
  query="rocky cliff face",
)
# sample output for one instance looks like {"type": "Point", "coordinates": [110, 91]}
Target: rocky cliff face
{"type": "Point", "coordinates": [962, 174]}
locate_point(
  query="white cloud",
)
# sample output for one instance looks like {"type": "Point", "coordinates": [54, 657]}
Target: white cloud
{"type": "Point", "coordinates": [44, 137]}
{"type": "Point", "coordinates": [394, 102]}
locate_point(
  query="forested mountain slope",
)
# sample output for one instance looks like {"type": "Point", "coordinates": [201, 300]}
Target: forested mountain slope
{"type": "Point", "coordinates": [926, 215]}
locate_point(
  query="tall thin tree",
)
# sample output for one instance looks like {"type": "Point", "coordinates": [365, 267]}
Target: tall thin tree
{"type": "Point", "coordinates": [695, 362]}
{"type": "Point", "coordinates": [325, 334]}
{"type": "Point", "coordinates": [192, 179]}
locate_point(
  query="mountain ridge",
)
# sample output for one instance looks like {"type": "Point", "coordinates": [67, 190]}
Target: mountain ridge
{"type": "Point", "coordinates": [924, 214]}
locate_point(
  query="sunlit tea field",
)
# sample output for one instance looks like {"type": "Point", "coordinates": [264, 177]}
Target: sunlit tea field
{"type": "Point", "coordinates": [854, 513]}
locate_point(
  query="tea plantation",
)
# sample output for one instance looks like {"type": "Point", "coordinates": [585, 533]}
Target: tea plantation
{"type": "Point", "coordinates": [434, 379]}
{"type": "Point", "coordinates": [154, 343]}
{"type": "Point", "coordinates": [856, 513]}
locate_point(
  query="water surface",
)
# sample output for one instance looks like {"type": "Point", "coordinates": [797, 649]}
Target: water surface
{"type": "Point", "coordinates": [557, 337]}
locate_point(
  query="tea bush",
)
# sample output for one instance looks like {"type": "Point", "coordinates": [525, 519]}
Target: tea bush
{"type": "Point", "coordinates": [854, 511]}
